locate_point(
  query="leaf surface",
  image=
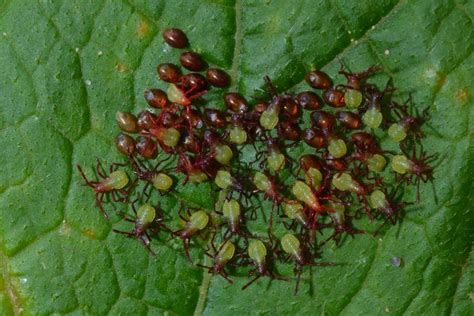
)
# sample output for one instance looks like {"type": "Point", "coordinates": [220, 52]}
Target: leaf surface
{"type": "Point", "coordinates": [68, 66]}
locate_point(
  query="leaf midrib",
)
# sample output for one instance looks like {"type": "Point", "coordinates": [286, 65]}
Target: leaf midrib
{"type": "Point", "coordinates": [13, 297]}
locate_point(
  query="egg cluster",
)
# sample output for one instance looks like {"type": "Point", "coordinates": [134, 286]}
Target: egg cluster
{"type": "Point", "coordinates": [244, 149]}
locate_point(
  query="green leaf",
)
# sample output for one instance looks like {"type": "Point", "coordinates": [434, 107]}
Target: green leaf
{"type": "Point", "coordinates": [68, 66]}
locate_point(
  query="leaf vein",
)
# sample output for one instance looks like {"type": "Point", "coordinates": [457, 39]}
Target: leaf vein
{"type": "Point", "coordinates": [364, 280]}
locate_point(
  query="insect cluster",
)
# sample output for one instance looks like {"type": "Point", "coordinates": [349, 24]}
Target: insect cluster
{"type": "Point", "coordinates": [244, 149]}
